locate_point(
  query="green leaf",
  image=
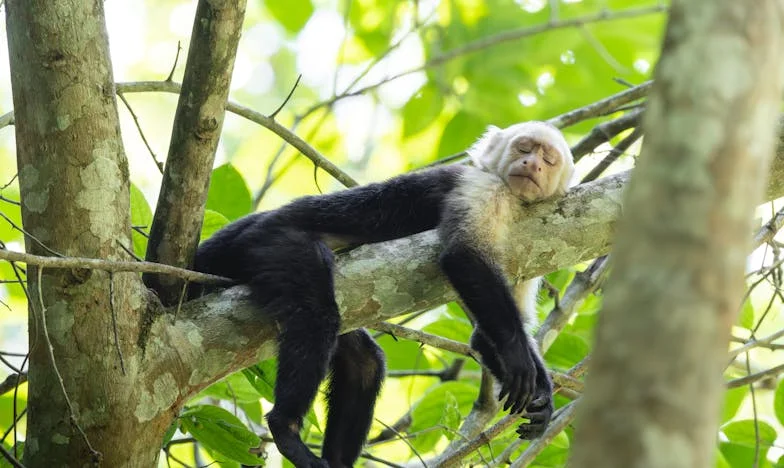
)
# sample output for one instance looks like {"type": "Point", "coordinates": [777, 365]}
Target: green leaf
{"type": "Point", "coordinates": [167, 437]}
{"type": "Point", "coordinates": [742, 432]}
{"type": "Point", "coordinates": [403, 354]}
{"type": "Point", "coordinates": [292, 14]}
{"type": "Point", "coordinates": [262, 378]}
{"type": "Point", "coordinates": [213, 221]}
{"type": "Point", "coordinates": [421, 110]}
{"type": "Point", "coordinates": [253, 411]}
{"type": "Point", "coordinates": [778, 402]}
{"type": "Point", "coordinates": [221, 432]}
{"type": "Point", "coordinates": [733, 398]}
{"type": "Point", "coordinates": [746, 319]}
{"type": "Point", "coordinates": [450, 417]}
{"type": "Point", "coordinates": [430, 411]}
{"type": "Point", "coordinates": [234, 388]}
{"type": "Point", "coordinates": [567, 350]}
{"type": "Point", "coordinates": [229, 194]}
{"type": "Point", "coordinates": [460, 133]}
{"type": "Point", "coordinates": [458, 330]}
{"type": "Point", "coordinates": [141, 216]}
{"type": "Point", "coordinates": [739, 451]}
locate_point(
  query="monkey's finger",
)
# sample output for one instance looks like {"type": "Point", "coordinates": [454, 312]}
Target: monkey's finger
{"type": "Point", "coordinates": [506, 389]}
{"type": "Point", "coordinates": [514, 396]}
{"type": "Point", "coordinates": [529, 431]}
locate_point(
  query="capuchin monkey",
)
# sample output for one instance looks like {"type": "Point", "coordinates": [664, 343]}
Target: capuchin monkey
{"type": "Point", "coordinates": [285, 256]}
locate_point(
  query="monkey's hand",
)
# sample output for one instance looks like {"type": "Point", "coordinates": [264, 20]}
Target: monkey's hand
{"type": "Point", "coordinates": [519, 379]}
{"type": "Point", "coordinates": [538, 412]}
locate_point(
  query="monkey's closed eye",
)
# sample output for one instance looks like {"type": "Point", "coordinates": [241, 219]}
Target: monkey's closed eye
{"type": "Point", "coordinates": [525, 146]}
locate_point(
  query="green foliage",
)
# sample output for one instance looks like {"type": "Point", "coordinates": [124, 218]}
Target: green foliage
{"type": "Point", "coordinates": [778, 402]}
{"type": "Point", "coordinates": [141, 218]}
{"type": "Point", "coordinates": [221, 432]}
{"type": "Point", "coordinates": [213, 221]}
{"type": "Point", "coordinates": [229, 194]}
{"type": "Point", "coordinates": [439, 412]}
{"type": "Point", "coordinates": [291, 14]}
{"type": "Point", "coordinates": [744, 439]}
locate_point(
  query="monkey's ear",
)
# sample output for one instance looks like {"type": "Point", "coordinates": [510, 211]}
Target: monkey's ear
{"type": "Point", "coordinates": [486, 152]}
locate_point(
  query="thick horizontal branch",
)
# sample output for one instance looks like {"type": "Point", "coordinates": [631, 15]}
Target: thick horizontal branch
{"type": "Point", "coordinates": [221, 333]}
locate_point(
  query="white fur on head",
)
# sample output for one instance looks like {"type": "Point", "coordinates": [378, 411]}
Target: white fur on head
{"type": "Point", "coordinates": [492, 149]}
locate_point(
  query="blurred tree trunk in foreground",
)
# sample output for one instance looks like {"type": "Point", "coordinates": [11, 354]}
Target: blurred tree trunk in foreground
{"type": "Point", "coordinates": [654, 389]}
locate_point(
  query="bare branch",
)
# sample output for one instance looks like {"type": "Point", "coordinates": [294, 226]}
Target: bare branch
{"type": "Point", "coordinates": [198, 122]}
{"type": "Point", "coordinates": [604, 132]}
{"type": "Point", "coordinates": [614, 154]}
{"type": "Point", "coordinates": [257, 117]}
{"type": "Point", "coordinates": [112, 266]}
{"type": "Point", "coordinates": [12, 381]}
{"type": "Point", "coordinates": [158, 164]}
{"type": "Point", "coordinates": [426, 338]}
{"type": "Point", "coordinates": [767, 232]}
{"type": "Point", "coordinates": [602, 107]}
{"type": "Point", "coordinates": [772, 372]}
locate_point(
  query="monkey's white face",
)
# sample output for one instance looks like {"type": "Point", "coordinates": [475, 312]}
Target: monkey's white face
{"type": "Point", "coordinates": [534, 168]}
{"type": "Point", "coordinates": [532, 158]}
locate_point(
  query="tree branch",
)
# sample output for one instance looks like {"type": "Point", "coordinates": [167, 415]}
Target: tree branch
{"type": "Point", "coordinates": [175, 229]}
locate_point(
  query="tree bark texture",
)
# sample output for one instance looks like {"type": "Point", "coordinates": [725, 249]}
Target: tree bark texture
{"type": "Point", "coordinates": [73, 176]}
{"type": "Point", "coordinates": [198, 121]}
{"type": "Point", "coordinates": [654, 388]}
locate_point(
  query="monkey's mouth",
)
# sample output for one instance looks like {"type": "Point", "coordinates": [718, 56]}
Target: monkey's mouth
{"type": "Point", "coordinates": [524, 177]}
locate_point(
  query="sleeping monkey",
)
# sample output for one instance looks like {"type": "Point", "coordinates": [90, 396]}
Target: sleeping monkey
{"type": "Point", "coordinates": [285, 257]}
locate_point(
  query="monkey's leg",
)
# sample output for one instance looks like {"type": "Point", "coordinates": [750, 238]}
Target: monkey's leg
{"type": "Point", "coordinates": [357, 374]}
{"type": "Point", "coordinates": [294, 281]}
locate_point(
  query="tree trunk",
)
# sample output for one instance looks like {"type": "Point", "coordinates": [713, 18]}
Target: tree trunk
{"type": "Point", "coordinates": [653, 392]}
{"type": "Point", "coordinates": [73, 175]}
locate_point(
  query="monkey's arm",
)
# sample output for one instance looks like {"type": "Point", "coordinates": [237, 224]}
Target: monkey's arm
{"type": "Point", "coordinates": [504, 346]}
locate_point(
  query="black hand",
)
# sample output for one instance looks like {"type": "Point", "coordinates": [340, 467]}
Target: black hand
{"type": "Point", "coordinates": [518, 384]}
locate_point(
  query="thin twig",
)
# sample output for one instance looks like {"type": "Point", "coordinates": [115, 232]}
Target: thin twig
{"type": "Point", "coordinates": [614, 154]}
{"type": "Point", "coordinates": [96, 455]}
{"type": "Point", "coordinates": [426, 338]}
{"type": "Point", "coordinates": [772, 372]}
{"type": "Point", "coordinates": [29, 236]}
{"type": "Point", "coordinates": [602, 107]}
{"type": "Point", "coordinates": [113, 266]}
{"type": "Point", "coordinates": [285, 101]}
{"type": "Point", "coordinates": [8, 200]}
{"type": "Point", "coordinates": [8, 184]}
{"type": "Point", "coordinates": [767, 232]}
{"type": "Point", "coordinates": [114, 323]}
{"type": "Point", "coordinates": [7, 455]}
{"type": "Point", "coordinates": [606, 131]}
{"type": "Point", "coordinates": [174, 65]}
{"type": "Point", "coordinates": [7, 119]}
{"type": "Point", "coordinates": [158, 164]}
{"type": "Point", "coordinates": [12, 381]}
{"type": "Point", "coordinates": [500, 38]}
{"type": "Point", "coordinates": [253, 116]}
